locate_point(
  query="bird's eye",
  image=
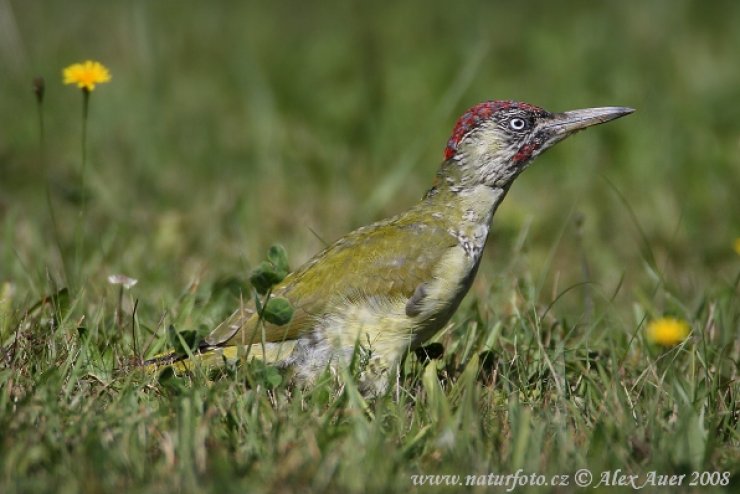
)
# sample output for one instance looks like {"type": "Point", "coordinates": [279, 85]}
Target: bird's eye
{"type": "Point", "coordinates": [517, 123]}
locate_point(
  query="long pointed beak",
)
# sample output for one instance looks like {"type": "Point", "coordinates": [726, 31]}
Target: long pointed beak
{"type": "Point", "coordinates": [566, 123]}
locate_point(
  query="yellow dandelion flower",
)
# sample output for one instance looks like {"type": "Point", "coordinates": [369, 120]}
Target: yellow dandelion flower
{"type": "Point", "coordinates": [86, 74]}
{"type": "Point", "coordinates": [667, 331]}
{"type": "Point", "coordinates": [736, 245]}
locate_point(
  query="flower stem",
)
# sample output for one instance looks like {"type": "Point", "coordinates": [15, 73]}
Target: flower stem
{"type": "Point", "coordinates": [42, 133]}
{"type": "Point", "coordinates": [83, 193]}
{"type": "Point", "coordinates": [39, 90]}
{"type": "Point", "coordinates": [85, 106]}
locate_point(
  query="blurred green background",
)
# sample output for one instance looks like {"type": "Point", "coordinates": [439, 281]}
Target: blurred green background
{"type": "Point", "coordinates": [228, 126]}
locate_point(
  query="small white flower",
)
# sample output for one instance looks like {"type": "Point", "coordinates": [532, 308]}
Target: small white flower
{"type": "Point", "coordinates": [123, 280]}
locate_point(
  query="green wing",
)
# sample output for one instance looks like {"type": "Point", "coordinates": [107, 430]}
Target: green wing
{"type": "Point", "coordinates": [389, 259]}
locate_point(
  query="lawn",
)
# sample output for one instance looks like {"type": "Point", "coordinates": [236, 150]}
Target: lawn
{"type": "Point", "coordinates": [231, 126]}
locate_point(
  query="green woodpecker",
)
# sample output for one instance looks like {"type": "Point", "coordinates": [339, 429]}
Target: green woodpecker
{"type": "Point", "coordinates": [388, 287]}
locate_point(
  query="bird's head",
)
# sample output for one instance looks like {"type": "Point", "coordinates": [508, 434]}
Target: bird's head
{"type": "Point", "coordinates": [494, 141]}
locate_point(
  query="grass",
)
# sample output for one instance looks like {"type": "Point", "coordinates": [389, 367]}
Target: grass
{"type": "Point", "coordinates": [229, 127]}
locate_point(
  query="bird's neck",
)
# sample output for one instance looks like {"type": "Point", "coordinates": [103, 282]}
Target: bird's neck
{"type": "Point", "coordinates": [454, 186]}
{"type": "Point", "coordinates": [467, 208]}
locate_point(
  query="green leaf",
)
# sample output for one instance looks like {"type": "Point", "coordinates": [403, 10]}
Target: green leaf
{"type": "Point", "coordinates": [278, 311]}
{"type": "Point", "coordinates": [271, 272]}
{"type": "Point", "coordinates": [264, 276]}
{"type": "Point", "coordinates": [169, 381]}
{"type": "Point", "coordinates": [182, 341]}
{"type": "Point", "coordinates": [279, 259]}
{"type": "Point", "coordinates": [166, 376]}
{"type": "Point", "coordinates": [265, 375]}
{"type": "Point", "coordinates": [272, 377]}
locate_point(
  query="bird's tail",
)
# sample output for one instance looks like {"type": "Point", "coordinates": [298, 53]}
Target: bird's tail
{"type": "Point", "coordinates": [217, 356]}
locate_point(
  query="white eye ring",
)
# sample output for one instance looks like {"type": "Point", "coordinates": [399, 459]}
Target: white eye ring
{"type": "Point", "coordinates": [517, 123]}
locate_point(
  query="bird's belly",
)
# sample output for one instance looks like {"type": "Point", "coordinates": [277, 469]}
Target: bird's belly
{"type": "Point", "coordinates": [377, 325]}
{"type": "Point", "coordinates": [380, 326]}
{"type": "Point", "coordinates": [452, 281]}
